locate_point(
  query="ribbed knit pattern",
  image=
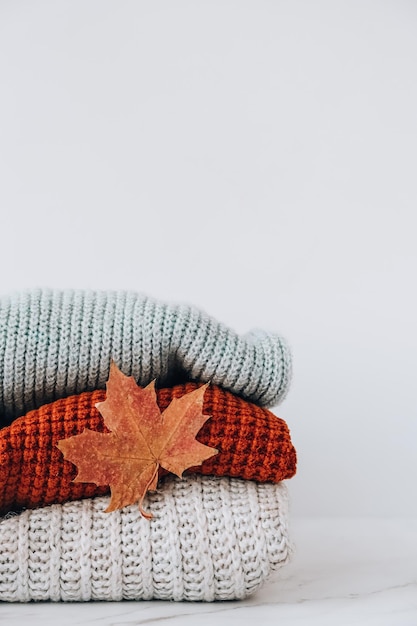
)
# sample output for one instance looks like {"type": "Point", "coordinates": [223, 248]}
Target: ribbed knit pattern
{"type": "Point", "coordinates": [210, 539]}
{"type": "Point", "coordinates": [54, 344]}
{"type": "Point", "coordinates": [253, 444]}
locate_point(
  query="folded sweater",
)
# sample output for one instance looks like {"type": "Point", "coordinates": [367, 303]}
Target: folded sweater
{"type": "Point", "coordinates": [210, 538]}
{"type": "Point", "coordinates": [253, 444]}
{"type": "Point", "coordinates": [54, 344]}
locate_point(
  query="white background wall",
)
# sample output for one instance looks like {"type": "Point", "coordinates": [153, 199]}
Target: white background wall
{"type": "Point", "coordinates": [254, 158]}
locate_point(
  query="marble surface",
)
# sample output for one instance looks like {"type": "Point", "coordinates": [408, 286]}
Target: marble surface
{"type": "Point", "coordinates": [360, 572]}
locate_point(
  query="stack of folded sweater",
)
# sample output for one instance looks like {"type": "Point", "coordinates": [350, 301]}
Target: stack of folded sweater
{"type": "Point", "coordinates": [215, 534]}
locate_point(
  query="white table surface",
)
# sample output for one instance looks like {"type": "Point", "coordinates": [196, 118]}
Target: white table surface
{"type": "Point", "coordinates": [346, 572]}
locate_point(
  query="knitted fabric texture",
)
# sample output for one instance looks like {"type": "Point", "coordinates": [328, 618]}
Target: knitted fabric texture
{"type": "Point", "coordinates": [54, 344]}
{"type": "Point", "coordinates": [253, 444]}
{"type": "Point", "coordinates": [210, 539]}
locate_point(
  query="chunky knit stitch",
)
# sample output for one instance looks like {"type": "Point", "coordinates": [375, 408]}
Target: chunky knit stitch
{"type": "Point", "coordinates": [57, 343]}
{"type": "Point", "coordinates": [210, 539]}
{"type": "Point", "coordinates": [253, 444]}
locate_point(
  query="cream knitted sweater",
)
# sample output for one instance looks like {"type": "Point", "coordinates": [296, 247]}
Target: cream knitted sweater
{"type": "Point", "coordinates": [209, 539]}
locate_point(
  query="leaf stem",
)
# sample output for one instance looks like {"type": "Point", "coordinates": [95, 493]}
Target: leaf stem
{"type": "Point", "coordinates": [145, 514]}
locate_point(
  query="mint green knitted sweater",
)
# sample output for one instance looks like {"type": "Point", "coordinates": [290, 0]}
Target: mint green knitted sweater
{"type": "Point", "coordinates": [57, 343]}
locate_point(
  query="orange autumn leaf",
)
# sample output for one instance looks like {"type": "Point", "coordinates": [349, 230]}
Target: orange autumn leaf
{"type": "Point", "coordinates": [141, 440]}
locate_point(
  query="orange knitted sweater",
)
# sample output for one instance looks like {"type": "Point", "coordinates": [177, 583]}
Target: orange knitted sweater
{"type": "Point", "coordinates": [253, 444]}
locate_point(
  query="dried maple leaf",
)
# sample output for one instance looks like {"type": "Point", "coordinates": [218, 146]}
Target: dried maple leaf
{"type": "Point", "coordinates": [141, 440]}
